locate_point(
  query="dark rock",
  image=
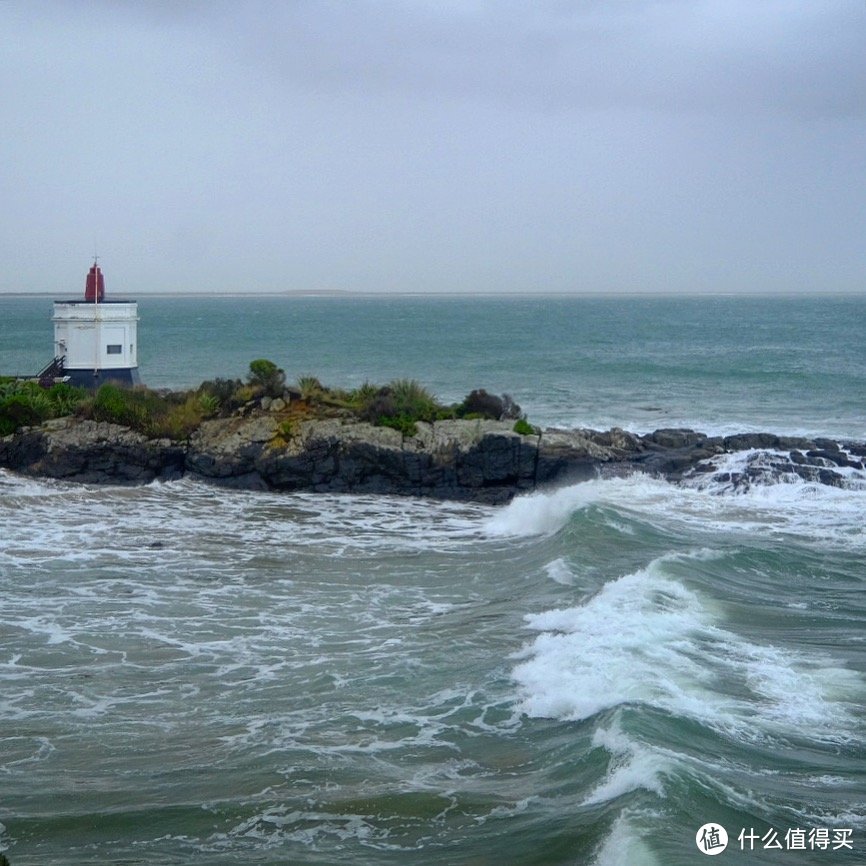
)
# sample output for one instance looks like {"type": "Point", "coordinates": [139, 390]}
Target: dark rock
{"type": "Point", "coordinates": [833, 457]}
{"type": "Point", "coordinates": [676, 438]}
{"type": "Point", "coordinates": [88, 451]}
{"type": "Point", "coordinates": [794, 443]}
{"type": "Point", "coordinates": [826, 444]}
{"type": "Point", "coordinates": [484, 461]}
{"type": "Point", "coordinates": [621, 443]}
{"type": "Point", "coordinates": [22, 450]}
{"type": "Point", "coordinates": [833, 479]}
{"type": "Point", "coordinates": [569, 456]}
{"type": "Point", "coordinates": [672, 464]}
{"type": "Point", "coordinates": [750, 441]}
{"type": "Point", "coordinates": [703, 468]}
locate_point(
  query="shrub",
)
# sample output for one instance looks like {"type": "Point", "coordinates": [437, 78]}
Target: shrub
{"type": "Point", "coordinates": [66, 398]}
{"type": "Point", "coordinates": [40, 402]}
{"type": "Point", "coordinates": [403, 423]}
{"type": "Point", "coordinates": [524, 428]}
{"type": "Point", "coordinates": [400, 405]}
{"type": "Point", "coordinates": [17, 411]}
{"type": "Point", "coordinates": [223, 390]}
{"type": "Point", "coordinates": [413, 400]}
{"type": "Point", "coordinates": [244, 394]}
{"type": "Point", "coordinates": [311, 388]}
{"type": "Point", "coordinates": [180, 420]}
{"type": "Point", "coordinates": [267, 376]}
{"type": "Point", "coordinates": [381, 405]}
{"type": "Point", "coordinates": [24, 403]}
{"type": "Point", "coordinates": [172, 415]}
{"type": "Point", "coordinates": [288, 428]}
{"type": "Point", "coordinates": [209, 403]}
{"type": "Point", "coordinates": [480, 404]}
{"type": "Point", "coordinates": [126, 406]}
{"type": "Point", "coordinates": [361, 397]}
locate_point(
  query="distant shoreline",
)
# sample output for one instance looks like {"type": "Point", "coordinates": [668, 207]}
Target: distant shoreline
{"type": "Point", "coordinates": [348, 294]}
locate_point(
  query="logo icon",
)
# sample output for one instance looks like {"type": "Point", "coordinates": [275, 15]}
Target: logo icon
{"type": "Point", "coordinates": [711, 839]}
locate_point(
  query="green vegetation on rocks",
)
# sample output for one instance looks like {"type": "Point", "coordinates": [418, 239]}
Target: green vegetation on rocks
{"type": "Point", "coordinates": [169, 415]}
{"type": "Point", "coordinates": [25, 403]}
{"type": "Point", "coordinates": [524, 428]}
{"type": "Point", "coordinates": [267, 376]}
{"type": "Point", "coordinates": [176, 415]}
{"type": "Point", "coordinates": [311, 388]}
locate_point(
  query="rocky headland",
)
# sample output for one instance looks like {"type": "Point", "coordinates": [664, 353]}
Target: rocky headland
{"type": "Point", "coordinates": [477, 460]}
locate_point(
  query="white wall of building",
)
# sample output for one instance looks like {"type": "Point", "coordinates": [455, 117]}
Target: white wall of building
{"type": "Point", "coordinates": [96, 336]}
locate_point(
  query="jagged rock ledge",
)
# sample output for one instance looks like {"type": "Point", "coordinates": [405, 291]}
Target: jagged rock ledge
{"type": "Point", "coordinates": [483, 461]}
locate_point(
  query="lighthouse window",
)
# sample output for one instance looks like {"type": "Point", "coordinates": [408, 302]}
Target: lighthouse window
{"type": "Point", "coordinates": [114, 349]}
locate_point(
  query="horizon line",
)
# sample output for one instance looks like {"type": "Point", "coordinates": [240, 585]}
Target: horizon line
{"type": "Point", "coordinates": [347, 294]}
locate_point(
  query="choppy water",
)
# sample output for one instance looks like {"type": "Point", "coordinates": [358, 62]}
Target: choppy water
{"type": "Point", "coordinates": [584, 676]}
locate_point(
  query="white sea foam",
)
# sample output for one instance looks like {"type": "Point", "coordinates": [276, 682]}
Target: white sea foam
{"type": "Point", "coordinates": [646, 639]}
{"type": "Point", "coordinates": [177, 521]}
{"type": "Point", "coordinates": [559, 571]}
{"type": "Point", "coordinates": [769, 468]}
{"type": "Point", "coordinates": [624, 846]}
{"type": "Point", "coordinates": [813, 513]}
{"type": "Point", "coordinates": [541, 513]}
{"type": "Point", "coordinates": [633, 766]}
{"type": "Point", "coordinates": [545, 513]}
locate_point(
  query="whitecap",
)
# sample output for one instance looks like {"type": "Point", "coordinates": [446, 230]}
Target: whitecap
{"type": "Point", "coordinates": [546, 512]}
{"type": "Point", "coordinates": [646, 639]}
{"type": "Point", "coordinates": [624, 846]}
{"type": "Point", "coordinates": [633, 766]}
{"type": "Point", "coordinates": [812, 513]}
{"type": "Point", "coordinates": [558, 571]}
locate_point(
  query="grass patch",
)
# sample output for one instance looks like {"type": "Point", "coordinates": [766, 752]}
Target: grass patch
{"type": "Point", "coordinates": [524, 428]}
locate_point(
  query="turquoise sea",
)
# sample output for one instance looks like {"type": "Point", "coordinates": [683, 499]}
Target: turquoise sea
{"type": "Point", "coordinates": [588, 675]}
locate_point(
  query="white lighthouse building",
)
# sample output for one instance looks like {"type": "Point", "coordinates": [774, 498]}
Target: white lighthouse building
{"type": "Point", "coordinates": [96, 340]}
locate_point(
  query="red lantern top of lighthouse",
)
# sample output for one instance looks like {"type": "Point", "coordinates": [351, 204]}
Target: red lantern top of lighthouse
{"type": "Point", "coordinates": [94, 286]}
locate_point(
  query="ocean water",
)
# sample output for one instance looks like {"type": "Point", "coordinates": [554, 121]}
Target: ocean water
{"type": "Point", "coordinates": [587, 675]}
{"type": "Point", "coordinates": [721, 364]}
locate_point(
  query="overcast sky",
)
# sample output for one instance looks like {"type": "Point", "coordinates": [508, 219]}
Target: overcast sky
{"type": "Point", "coordinates": [447, 146]}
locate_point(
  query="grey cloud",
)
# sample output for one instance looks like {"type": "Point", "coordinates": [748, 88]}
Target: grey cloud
{"type": "Point", "coordinates": [653, 145]}
{"type": "Point", "coordinates": [731, 58]}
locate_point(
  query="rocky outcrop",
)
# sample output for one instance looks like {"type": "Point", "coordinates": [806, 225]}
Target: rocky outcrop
{"type": "Point", "coordinates": [830, 465]}
{"type": "Point", "coordinates": [90, 451]}
{"type": "Point", "coordinates": [475, 460]}
{"type": "Point", "coordinates": [478, 460]}
{"type": "Point", "coordinates": [567, 456]}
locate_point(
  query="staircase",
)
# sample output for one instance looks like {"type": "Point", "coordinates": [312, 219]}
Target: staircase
{"type": "Point", "coordinates": [51, 373]}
